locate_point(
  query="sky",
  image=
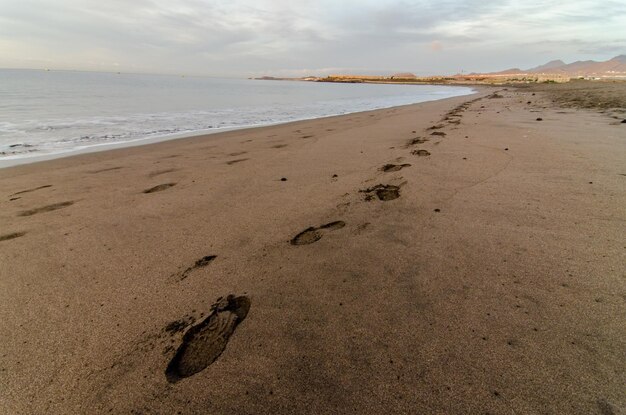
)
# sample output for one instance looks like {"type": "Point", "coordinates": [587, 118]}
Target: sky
{"type": "Point", "coordinates": [297, 38]}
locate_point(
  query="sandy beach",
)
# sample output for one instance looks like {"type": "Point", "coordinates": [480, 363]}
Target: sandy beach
{"type": "Point", "coordinates": [463, 256]}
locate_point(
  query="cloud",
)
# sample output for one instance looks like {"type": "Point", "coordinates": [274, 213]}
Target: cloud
{"type": "Point", "coordinates": [219, 37]}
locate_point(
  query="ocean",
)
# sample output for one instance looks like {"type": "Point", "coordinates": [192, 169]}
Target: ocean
{"type": "Point", "coordinates": [53, 113]}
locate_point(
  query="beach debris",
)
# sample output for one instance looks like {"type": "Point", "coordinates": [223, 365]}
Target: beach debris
{"type": "Point", "coordinates": [283, 179]}
{"type": "Point", "coordinates": [539, 119]}
{"type": "Point", "coordinates": [204, 342]}
{"type": "Point", "coordinates": [313, 234]}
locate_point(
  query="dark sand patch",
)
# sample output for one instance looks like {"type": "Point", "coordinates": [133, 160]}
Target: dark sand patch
{"type": "Point", "coordinates": [421, 153]}
{"type": "Point", "coordinates": [235, 161]}
{"type": "Point", "coordinates": [238, 153]}
{"type": "Point", "coordinates": [307, 136]}
{"type": "Point", "coordinates": [440, 133]}
{"type": "Point", "coordinates": [203, 343]}
{"type": "Point", "coordinates": [32, 190]}
{"type": "Point", "coordinates": [11, 236]}
{"type": "Point", "coordinates": [48, 208]}
{"type": "Point", "coordinates": [159, 188]}
{"type": "Point", "coordinates": [310, 235]}
{"type": "Point", "coordinates": [280, 146]}
{"type": "Point", "coordinates": [384, 192]}
{"type": "Point", "coordinates": [394, 167]}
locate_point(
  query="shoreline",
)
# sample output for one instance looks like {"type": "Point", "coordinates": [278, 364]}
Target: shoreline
{"type": "Point", "coordinates": [103, 147]}
{"type": "Point", "coordinates": [24, 158]}
{"type": "Point", "coordinates": [456, 256]}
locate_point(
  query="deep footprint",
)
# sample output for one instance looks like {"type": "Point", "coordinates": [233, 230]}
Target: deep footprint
{"type": "Point", "coordinates": [159, 187]}
{"type": "Point", "coordinates": [384, 192]}
{"type": "Point", "coordinates": [394, 167]}
{"type": "Point", "coordinates": [48, 208]}
{"type": "Point", "coordinates": [421, 153]}
{"type": "Point", "coordinates": [310, 235]}
{"type": "Point", "coordinates": [203, 343]}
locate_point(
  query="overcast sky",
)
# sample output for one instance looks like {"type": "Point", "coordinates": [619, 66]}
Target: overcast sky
{"type": "Point", "coordinates": [292, 37]}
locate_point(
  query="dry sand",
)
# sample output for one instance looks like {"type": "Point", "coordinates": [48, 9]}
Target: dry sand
{"type": "Point", "coordinates": [489, 279]}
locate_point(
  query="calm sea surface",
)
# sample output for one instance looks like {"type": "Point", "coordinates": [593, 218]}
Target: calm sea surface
{"type": "Point", "coordinates": [55, 112]}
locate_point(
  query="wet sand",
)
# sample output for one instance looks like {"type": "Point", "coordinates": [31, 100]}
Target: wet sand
{"type": "Point", "coordinates": [460, 256]}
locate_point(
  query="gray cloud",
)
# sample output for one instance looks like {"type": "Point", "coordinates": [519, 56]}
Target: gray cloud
{"type": "Point", "coordinates": [241, 38]}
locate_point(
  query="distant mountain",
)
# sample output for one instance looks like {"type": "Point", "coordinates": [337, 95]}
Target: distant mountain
{"type": "Point", "coordinates": [550, 65]}
{"type": "Point", "coordinates": [612, 67]}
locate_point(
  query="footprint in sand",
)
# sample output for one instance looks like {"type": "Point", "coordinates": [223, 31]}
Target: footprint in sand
{"type": "Point", "coordinates": [384, 192]}
{"type": "Point", "coordinates": [421, 153]}
{"type": "Point", "coordinates": [105, 169]}
{"type": "Point", "coordinates": [310, 235]}
{"type": "Point", "coordinates": [48, 208]}
{"type": "Point", "coordinates": [608, 408]}
{"type": "Point", "coordinates": [394, 167]}
{"type": "Point", "coordinates": [159, 172]}
{"type": "Point", "coordinates": [159, 188]}
{"type": "Point", "coordinates": [440, 133]}
{"type": "Point", "coordinates": [31, 190]}
{"type": "Point", "coordinates": [11, 236]}
{"type": "Point", "coordinates": [202, 262]}
{"type": "Point", "coordinates": [416, 140]}
{"type": "Point", "coordinates": [235, 161]}
{"type": "Point", "coordinates": [203, 343]}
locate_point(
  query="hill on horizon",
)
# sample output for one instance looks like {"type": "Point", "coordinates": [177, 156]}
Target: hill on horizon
{"type": "Point", "coordinates": [612, 67]}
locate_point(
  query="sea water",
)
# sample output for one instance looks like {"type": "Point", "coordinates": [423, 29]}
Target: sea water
{"type": "Point", "coordinates": [47, 113]}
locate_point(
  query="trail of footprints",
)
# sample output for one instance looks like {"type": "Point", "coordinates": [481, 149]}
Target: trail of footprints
{"type": "Point", "coordinates": [203, 343]}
